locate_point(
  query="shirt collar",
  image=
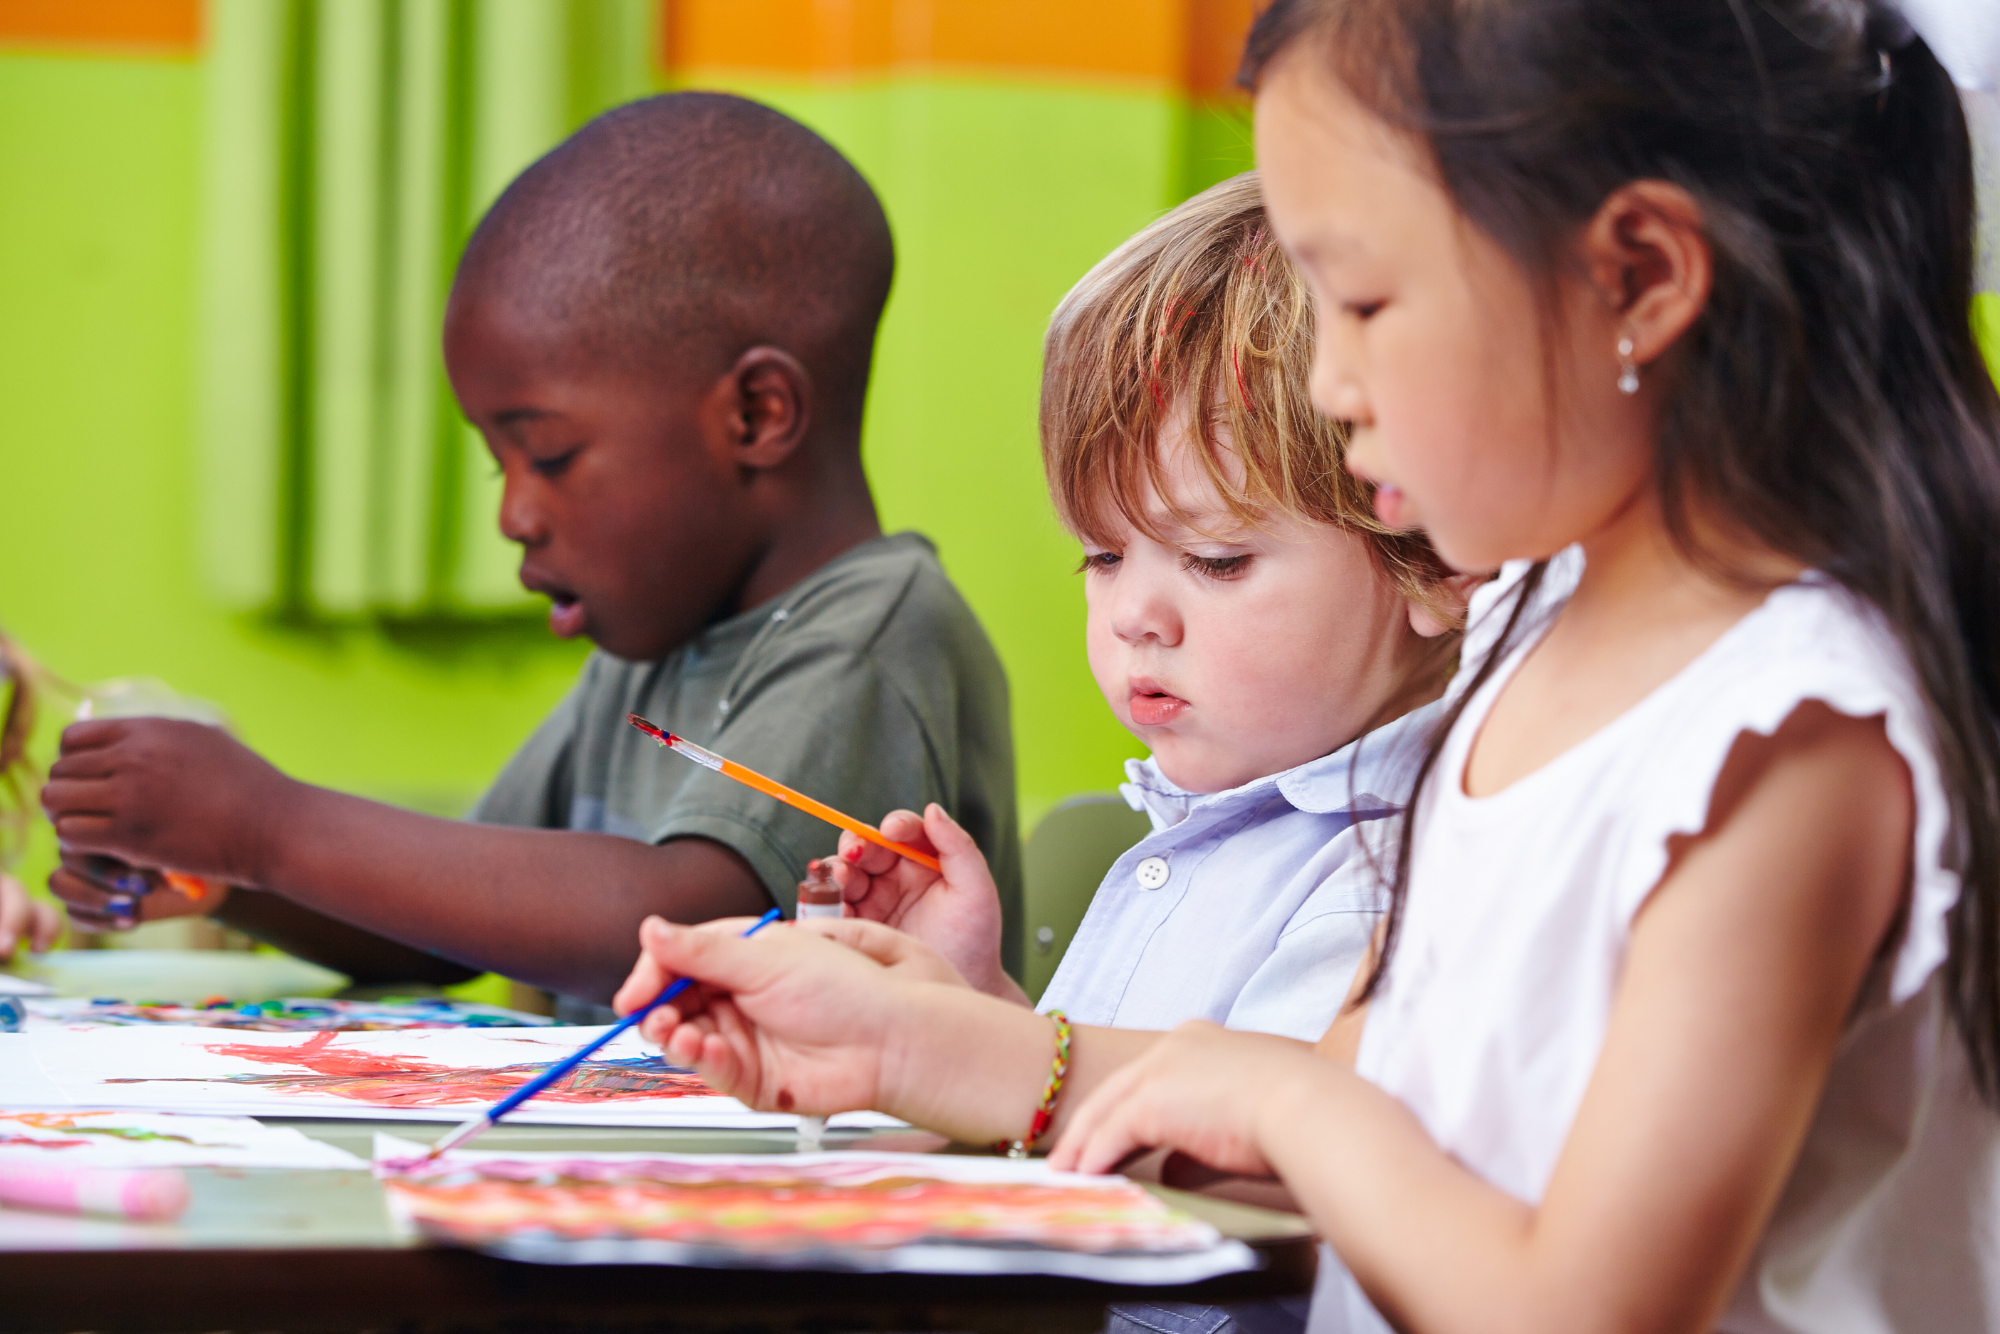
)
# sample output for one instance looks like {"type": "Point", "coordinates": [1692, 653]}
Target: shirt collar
{"type": "Point", "coordinates": [1373, 773]}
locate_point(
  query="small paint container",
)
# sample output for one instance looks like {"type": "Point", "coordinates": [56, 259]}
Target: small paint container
{"type": "Point", "coordinates": [819, 896]}
{"type": "Point", "coordinates": [12, 1014]}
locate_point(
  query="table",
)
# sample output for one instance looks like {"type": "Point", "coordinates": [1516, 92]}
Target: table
{"type": "Point", "coordinates": [272, 1251]}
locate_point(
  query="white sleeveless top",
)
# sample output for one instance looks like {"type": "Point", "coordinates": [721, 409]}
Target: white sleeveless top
{"type": "Point", "coordinates": [1515, 932]}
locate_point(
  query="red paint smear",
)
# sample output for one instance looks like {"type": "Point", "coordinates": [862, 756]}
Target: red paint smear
{"type": "Point", "coordinates": [316, 1055]}
{"type": "Point", "coordinates": [11, 1141]}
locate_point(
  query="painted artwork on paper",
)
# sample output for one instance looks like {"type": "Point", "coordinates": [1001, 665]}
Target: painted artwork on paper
{"type": "Point", "coordinates": [846, 1210]}
{"type": "Point", "coordinates": [423, 1074]}
{"type": "Point", "coordinates": [296, 1015]}
{"type": "Point", "coordinates": [389, 1079]}
{"type": "Point", "coordinates": [159, 1139]}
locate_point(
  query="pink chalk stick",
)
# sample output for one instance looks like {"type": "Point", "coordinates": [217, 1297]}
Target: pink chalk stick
{"type": "Point", "coordinates": [143, 1194]}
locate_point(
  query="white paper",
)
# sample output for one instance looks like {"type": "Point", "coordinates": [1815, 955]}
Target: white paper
{"type": "Point", "coordinates": [1203, 1253]}
{"type": "Point", "coordinates": [421, 1075]}
{"type": "Point", "coordinates": [22, 1083]}
{"type": "Point", "coordinates": [158, 1139]}
{"type": "Point", "coordinates": [14, 985]}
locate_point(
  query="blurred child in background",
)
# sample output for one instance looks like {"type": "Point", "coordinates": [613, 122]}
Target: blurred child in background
{"type": "Point", "coordinates": [25, 921]}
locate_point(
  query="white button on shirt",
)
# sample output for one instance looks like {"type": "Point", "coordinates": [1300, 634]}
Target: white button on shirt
{"type": "Point", "coordinates": [1249, 907]}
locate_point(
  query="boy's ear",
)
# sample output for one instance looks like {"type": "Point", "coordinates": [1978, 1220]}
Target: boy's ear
{"type": "Point", "coordinates": [770, 406]}
{"type": "Point", "coordinates": [1446, 609]}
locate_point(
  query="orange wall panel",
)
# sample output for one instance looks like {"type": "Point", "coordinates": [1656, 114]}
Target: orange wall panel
{"type": "Point", "coordinates": [148, 27]}
{"type": "Point", "coordinates": [1215, 46]}
{"type": "Point", "coordinates": [1192, 45]}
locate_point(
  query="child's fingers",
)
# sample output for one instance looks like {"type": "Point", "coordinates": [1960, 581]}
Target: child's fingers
{"type": "Point", "coordinates": [884, 944]}
{"type": "Point", "coordinates": [715, 953]}
{"type": "Point", "coordinates": [851, 848]}
{"type": "Point", "coordinates": [1088, 1118]}
{"type": "Point", "coordinates": [1113, 1140]}
{"type": "Point", "coordinates": [78, 739]}
{"type": "Point", "coordinates": [679, 1039]}
{"type": "Point", "coordinates": [854, 884]}
{"type": "Point", "coordinates": [89, 902]}
{"type": "Point", "coordinates": [646, 979]}
{"type": "Point", "coordinates": [81, 830]}
{"type": "Point", "coordinates": [14, 916]}
{"type": "Point", "coordinates": [731, 1050]}
{"type": "Point", "coordinates": [46, 927]}
{"type": "Point", "coordinates": [906, 827]}
{"type": "Point", "coordinates": [946, 835]}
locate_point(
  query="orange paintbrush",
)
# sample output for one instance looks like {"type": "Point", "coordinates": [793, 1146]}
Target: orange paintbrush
{"type": "Point", "coordinates": [708, 759]}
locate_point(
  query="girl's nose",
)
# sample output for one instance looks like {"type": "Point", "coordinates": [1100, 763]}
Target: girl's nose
{"type": "Point", "coordinates": [1336, 385]}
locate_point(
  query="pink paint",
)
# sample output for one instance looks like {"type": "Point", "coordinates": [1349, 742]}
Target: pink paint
{"type": "Point", "coordinates": [151, 1194]}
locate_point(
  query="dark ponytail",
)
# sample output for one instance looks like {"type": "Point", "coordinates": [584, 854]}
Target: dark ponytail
{"type": "Point", "coordinates": [1831, 398]}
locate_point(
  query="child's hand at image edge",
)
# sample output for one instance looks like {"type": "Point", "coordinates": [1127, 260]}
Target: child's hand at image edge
{"type": "Point", "coordinates": [956, 913]}
{"type": "Point", "coordinates": [25, 920]}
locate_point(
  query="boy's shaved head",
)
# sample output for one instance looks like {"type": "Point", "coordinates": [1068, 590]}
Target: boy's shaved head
{"type": "Point", "coordinates": [673, 234]}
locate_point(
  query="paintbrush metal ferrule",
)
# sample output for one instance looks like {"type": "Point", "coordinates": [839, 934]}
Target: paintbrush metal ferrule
{"type": "Point", "coordinates": [706, 758]}
{"type": "Point", "coordinates": [463, 1133]}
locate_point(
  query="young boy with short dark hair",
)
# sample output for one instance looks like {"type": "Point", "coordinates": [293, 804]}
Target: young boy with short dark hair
{"type": "Point", "coordinates": [663, 330]}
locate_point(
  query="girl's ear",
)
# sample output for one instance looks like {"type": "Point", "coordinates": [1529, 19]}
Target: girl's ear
{"type": "Point", "coordinates": [1647, 252]}
{"type": "Point", "coordinates": [1445, 609]}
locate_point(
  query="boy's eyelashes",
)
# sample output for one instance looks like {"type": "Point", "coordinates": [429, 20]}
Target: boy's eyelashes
{"type": "Point", "coordinates": [1209, 567]}
{"type": "Point", "coordinates": [1215, 567]}
{"type": "Point", "coordinates": [555, 464]}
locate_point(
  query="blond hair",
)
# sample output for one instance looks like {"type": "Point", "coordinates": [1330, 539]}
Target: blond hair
{"type": "Point", "coordinates": [1202, 313]}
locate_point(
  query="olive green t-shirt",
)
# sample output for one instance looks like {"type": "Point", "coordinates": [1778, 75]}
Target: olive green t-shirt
{"type": "Point", "coordinates": [868, 685]}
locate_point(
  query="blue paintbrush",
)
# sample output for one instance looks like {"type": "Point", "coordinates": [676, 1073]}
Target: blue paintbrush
{"type": "Point", "coordinates": [489, 1118]}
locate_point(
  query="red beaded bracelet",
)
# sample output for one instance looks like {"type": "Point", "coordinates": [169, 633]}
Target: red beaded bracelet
{"type": "Point", "coordinates": [1058, 1070]}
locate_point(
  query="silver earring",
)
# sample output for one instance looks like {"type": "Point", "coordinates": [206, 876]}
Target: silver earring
{"type": "Point", "coordinates": [1628, 369]}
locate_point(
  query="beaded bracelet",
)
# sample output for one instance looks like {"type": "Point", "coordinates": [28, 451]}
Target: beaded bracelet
{"type": "Point", "coordinates": [1058, 1070]}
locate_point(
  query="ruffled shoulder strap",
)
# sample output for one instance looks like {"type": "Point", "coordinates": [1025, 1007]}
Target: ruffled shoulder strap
{"type": "Point", "coordinates": [1811, 640]}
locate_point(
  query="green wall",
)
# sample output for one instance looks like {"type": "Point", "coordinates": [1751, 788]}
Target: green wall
{"type": "Point", "coordinates": [97, 231]}
{"type": "Point", "coordinates": [1001, 195]}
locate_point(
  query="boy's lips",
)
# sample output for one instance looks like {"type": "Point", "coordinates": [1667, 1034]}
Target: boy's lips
{"type": "Point", "coordinates": [566, 617]}
{"type": "Point", "coordinates": [566, 613]}
{"type": "Point", "coordinates": [1151, 706]}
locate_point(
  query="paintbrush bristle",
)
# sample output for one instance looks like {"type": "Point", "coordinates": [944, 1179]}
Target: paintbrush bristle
{"type": "Point", "coordinates": [658, 734]}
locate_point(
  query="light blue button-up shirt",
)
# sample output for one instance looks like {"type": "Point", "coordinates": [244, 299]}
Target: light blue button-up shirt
{"type": "Point", "coordinates": [1270, 896]}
